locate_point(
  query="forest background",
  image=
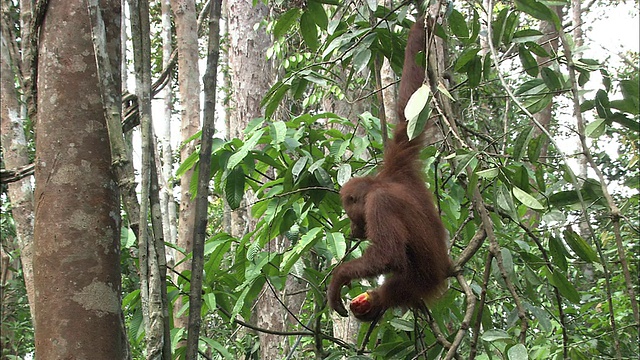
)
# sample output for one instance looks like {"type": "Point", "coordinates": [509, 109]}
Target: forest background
{"type": "Point", "coordinates": [170, 173]}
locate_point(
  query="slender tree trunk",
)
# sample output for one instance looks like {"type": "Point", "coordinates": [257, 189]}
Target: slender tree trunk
{"type": "Point", "coordinates": [202, 196]}
{"type": "Point", "coordinates": [15, 155]}
{"type": "Point", "coordinates": [77, 222]}
{"type": "Point", "coordinates": [151, 244]}
{"type": "Point", "coordinates": [189, 82]}
{"type": "Point", "coordinates": [169, 217]}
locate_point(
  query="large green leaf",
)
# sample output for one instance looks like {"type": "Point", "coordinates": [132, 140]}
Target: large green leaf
{"type": "Point", "coordinates": [528, 61]}
{"type": "Point", "coordinates": [285, 23]}
{"type": "Point", "coordinates": [522, 142]}
{"type": "Point", "coordinates": [234, 187]}
{"type": "Point", "coordinates": [309, 31]}
{"type": "Point", "coordinates": [580, 246]}
{"type": "Point", "coordinates": [249, 145]}
{"type": "Point", "coordinates": [526, 199]}
{"type": "Point", "coordinates": [458, 26]}
{"type": "Point", "coordinates": [557, 279]}
{"type": "Point", "coordinates": [539, 11]}
{"type": "Point", "coordinates": [306, 242]}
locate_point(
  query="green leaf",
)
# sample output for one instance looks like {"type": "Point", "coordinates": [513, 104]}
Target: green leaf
{"type": "Point", "coordinates": [316, 165]}
{"type": "Point", "coordinates": [289, 218]}
{"type": "Point", "coordinates": [551, 79]}
{"type": "Point", "coordinates": [535, 147]}
{"type": "Point", "coordinates": [542, 316]}
{"type": "Point", "coordinates": [526, 199]}
{"type": "Point", "coordinates": [559, 252]}
{"type": "Point", "coordinates": [489, 173]}
{"type": "Point", "coordinates": [242, 153]}
{"type": "Point", "coordinates": [535, 104]}
{"type": "Point", "coordinates": [475, 27]}
{"type": "Point", "coordinates": [323, 177]}
{"type": "Point", "coordinates": [306, 242]}
{"type": "Point", "coordinates": [496, 335]}
{"type": "Point", "coordinates": [505, 201]}
{"type": "Point", "coordinates": [474, 71]}
{"type": "Point", "coordinates": [416, 125]}
{"type": "Point", "coordinates": [625, 121]}
{"type": "Point", "coordinates": [596, 128]}
{"type": "Point", "coordinates": [498, 26]}
{"type": "Point", "coordinates": [528, 61]}
{"type": "Point", "coordinates": [318, 14]}
{"type": "Point", "coordinates": [521, 177]}
{"type": "Point", "coordinates": [336, 244]}
{"type": "Point", "coordinates": [527, 35]}
{"type": "Point", "coordinates": [417, 102]}
{"type": "Point", "coordinates": [625, 105]}
{"type": "Point", "coordinates": [467, 55]}
{"type": "Point", "coordinates": [254, 124]}
{"type": "Point", "coordinates": [210, 301]}
{"type": "Point", "coordinates": [344, 174]}
{"type": "Point", "coordinates": [539, 11]}
{"type": "Point", "coordinates": [361, 60]}
{"type": "Point", "coordinates": [278, 132]}
{"type": "Point", "coordinates": [580, 246]}
{"type": "Point", "coordinates": [567, 290]}
{"type": "Point", "coordinates": [517, 352]}
{"type": "Point", "coordinates": [234, 187]}
{"type": "Point", "coordinates": [510, 27]}
{"type": "Point", "coordinates": [273, 98]}
{"type": "Point", "coordinates": [309, 31]}
{"type": "Point", "coordinates": [285, 23]}
{"type": "Point", "coordinates": [402, 324]}
{"type": "Point", "coordinates": [127, 237]}
{"type": "Point", "coordinates": [602, 104]}
{"type": "Point", "coordinates": [521, 143]}
{"type": "Point", "coordinates": [188, 163]}
{"type": "Point", "coordinates": [222, 350]}
{"type": "Point", "coordinates": [487, 63]}
{"type": "Point", "coordinates": [339, 148]}
{"type": "Point", "coordinates": [299, 166]}
{"type": "Point", "coordinates": [631, 93]}
{"type": "Point", "coordinates": [537, 49]}
{"type": "Point", "coordinates": [458, 26]}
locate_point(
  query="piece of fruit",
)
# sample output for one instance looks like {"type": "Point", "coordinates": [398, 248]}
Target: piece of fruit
{"type": "Point", "coordinates": [361, 304]}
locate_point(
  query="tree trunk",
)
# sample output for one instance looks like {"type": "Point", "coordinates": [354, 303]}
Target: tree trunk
{"type": "Point", "coordinates": [77, 220]}
{"type": "Point", "coordinates": [250, 80]}
{"type": "Point", "coordinates": [15, 155]}
{"type": "Point", "coordinates": [169, 225]}
{"type": "Point", "coordinates": [189, 83]}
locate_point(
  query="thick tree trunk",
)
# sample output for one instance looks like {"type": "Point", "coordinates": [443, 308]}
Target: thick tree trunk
{"type": "Point", "coordinates": [77, 226]}
{"type": "Point", "coordinates": [250, 80]}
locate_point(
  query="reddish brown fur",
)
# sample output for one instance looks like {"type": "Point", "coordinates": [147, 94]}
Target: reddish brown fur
{"type": "Point", "coordinates": [395, 211]}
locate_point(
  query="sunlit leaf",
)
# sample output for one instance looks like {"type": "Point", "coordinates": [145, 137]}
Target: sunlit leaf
{"type": "Point", "coordinates": [526, 199]}
{"type": "Point", "coordinates": [417, 102]}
